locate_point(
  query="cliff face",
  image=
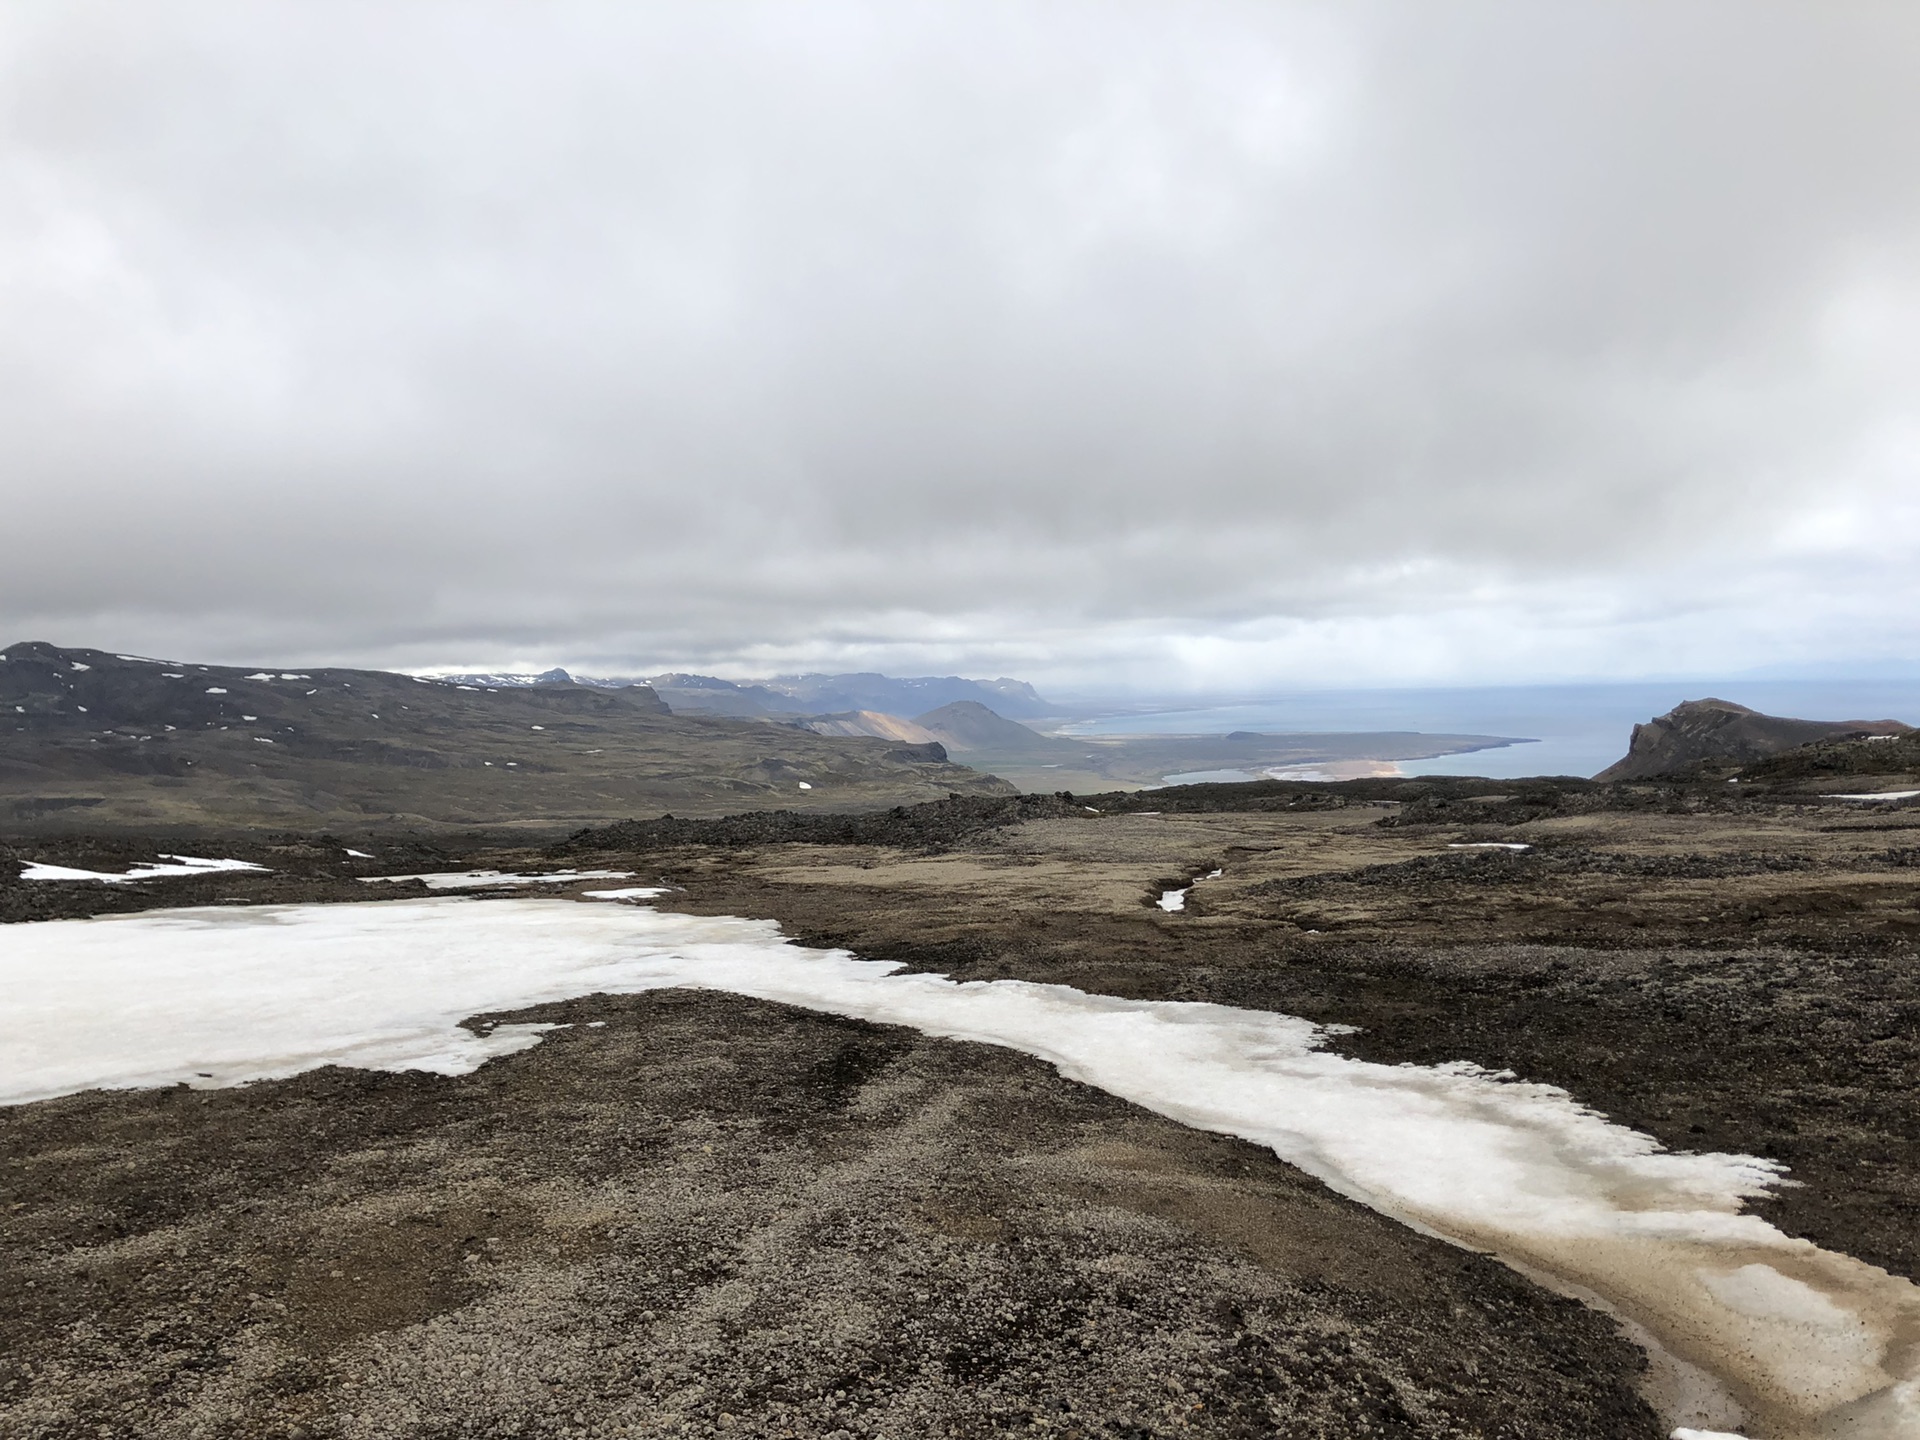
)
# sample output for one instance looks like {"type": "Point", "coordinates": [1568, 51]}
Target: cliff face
{"type": "Point", "coordinates": [1702, 730]}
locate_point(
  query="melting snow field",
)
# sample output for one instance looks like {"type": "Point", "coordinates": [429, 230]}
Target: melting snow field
{"type": "Point", "coordinates": [1811, 1342]}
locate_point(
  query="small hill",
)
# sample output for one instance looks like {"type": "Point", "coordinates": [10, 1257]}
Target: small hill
{"type": "Point", "coordinates": [89, 739]}
{"type": "Point", "coordinates": [1704, 731]}
{"type": "Point", "coordinates": [967, 725]}
{"type": "Point", "coordinates": [787, 696]}
{"type": "Point", "coordinates": [841, 694]}
{"type": "Point", "coordinates": [871, 722]}
{"type": "Point", "coordinates": [906, 696]}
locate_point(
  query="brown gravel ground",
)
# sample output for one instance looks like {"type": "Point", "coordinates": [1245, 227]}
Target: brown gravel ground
{"type": "Point", "coordinates": [952, 1237]}
{"type": "Point", "coordinates": [695, 1215]}
{"type": "Point", "coordinates": [1795, 1037]}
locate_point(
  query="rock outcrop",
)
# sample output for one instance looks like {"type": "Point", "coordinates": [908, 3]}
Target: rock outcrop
{"type": "Point", "coordinates": [1698, 731]}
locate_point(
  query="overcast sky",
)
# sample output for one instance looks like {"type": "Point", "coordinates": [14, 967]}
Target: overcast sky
{"type": "Point", "coordinates": [1168, 345]}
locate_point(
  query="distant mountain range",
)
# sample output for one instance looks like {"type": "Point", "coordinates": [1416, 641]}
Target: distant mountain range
{"type": "Point", "coordinates": [90, 738]}
{"type": "Point", "coordinates": [103, 741]}
{"type": "Point", "coordinates": [797, 695]}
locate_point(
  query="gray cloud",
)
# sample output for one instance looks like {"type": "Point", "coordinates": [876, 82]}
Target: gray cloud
{"type": "Point", "coordinates": [1106, 343]}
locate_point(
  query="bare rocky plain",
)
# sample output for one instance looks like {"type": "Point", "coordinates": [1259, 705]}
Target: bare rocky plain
{"type": "Point", "coordinates": [691, 1214]}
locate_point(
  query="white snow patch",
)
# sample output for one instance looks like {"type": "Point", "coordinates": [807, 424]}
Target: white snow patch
{"type": "Point", "coordinates": [1687, 1432]}
{"type": "Point", "coordinates": [215, 690]}
{"type": "Point", "coordinates": [632, 892]}
{"type": "Point", "coordinates": [183, 865]}
{"type": "Point", "coordinates": [1879, 795]}
{"type": "Point", "coordinates": [360, 854]}
{"type": "Point", "coordinates": [261, 740]}
{"type": "Point", "coordinates": [1174, 900]}
{"type": "Point", "coordinates": [260, 675]}
{"type": "Point", "coordinates": [249, 717]}
{"type": "Point", "coordinates": [171, 675]}
{"type": "Point", "coordinates": [536, 727]}
{"type": "Point", "coordinates": [1486, 845]}
{"type": "Point", "coordinates": [217, 997]}
{"type": "Point", "coordinates": [78, 666]}
{"type": "Point", "coordinates": [290, 675]}
{"type": "Point", "coordinates": [805, 786]}
{"type": "Point", "coordinates": [478, 879]}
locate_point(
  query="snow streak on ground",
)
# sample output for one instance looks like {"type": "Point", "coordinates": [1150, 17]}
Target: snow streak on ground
{"type": "Point", "coordinates": [182, 865]}
{"type": "Point", "coordinates": [1810, 1341]}
{"type": "Point", "coordinates": [482, 879]}
{"type": "Point", "coordinates": [1173, 901]}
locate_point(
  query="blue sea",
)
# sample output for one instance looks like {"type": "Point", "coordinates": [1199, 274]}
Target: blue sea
{"type": "Point", "coordinates": [1567, 729]}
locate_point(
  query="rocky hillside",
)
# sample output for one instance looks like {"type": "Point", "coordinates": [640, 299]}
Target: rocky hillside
{"type": "Point", "coordinates": [92, 739]}
{"type": "Point", "coordinates": [967, 725]}
{"type": "Point", "coordinates": [1710, 731]}
{"type": "Point", "coordinates": [872, 722]}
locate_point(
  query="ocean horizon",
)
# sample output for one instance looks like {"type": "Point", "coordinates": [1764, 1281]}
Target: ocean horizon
{"type": "Point", "coordinates": [1557, 729]}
